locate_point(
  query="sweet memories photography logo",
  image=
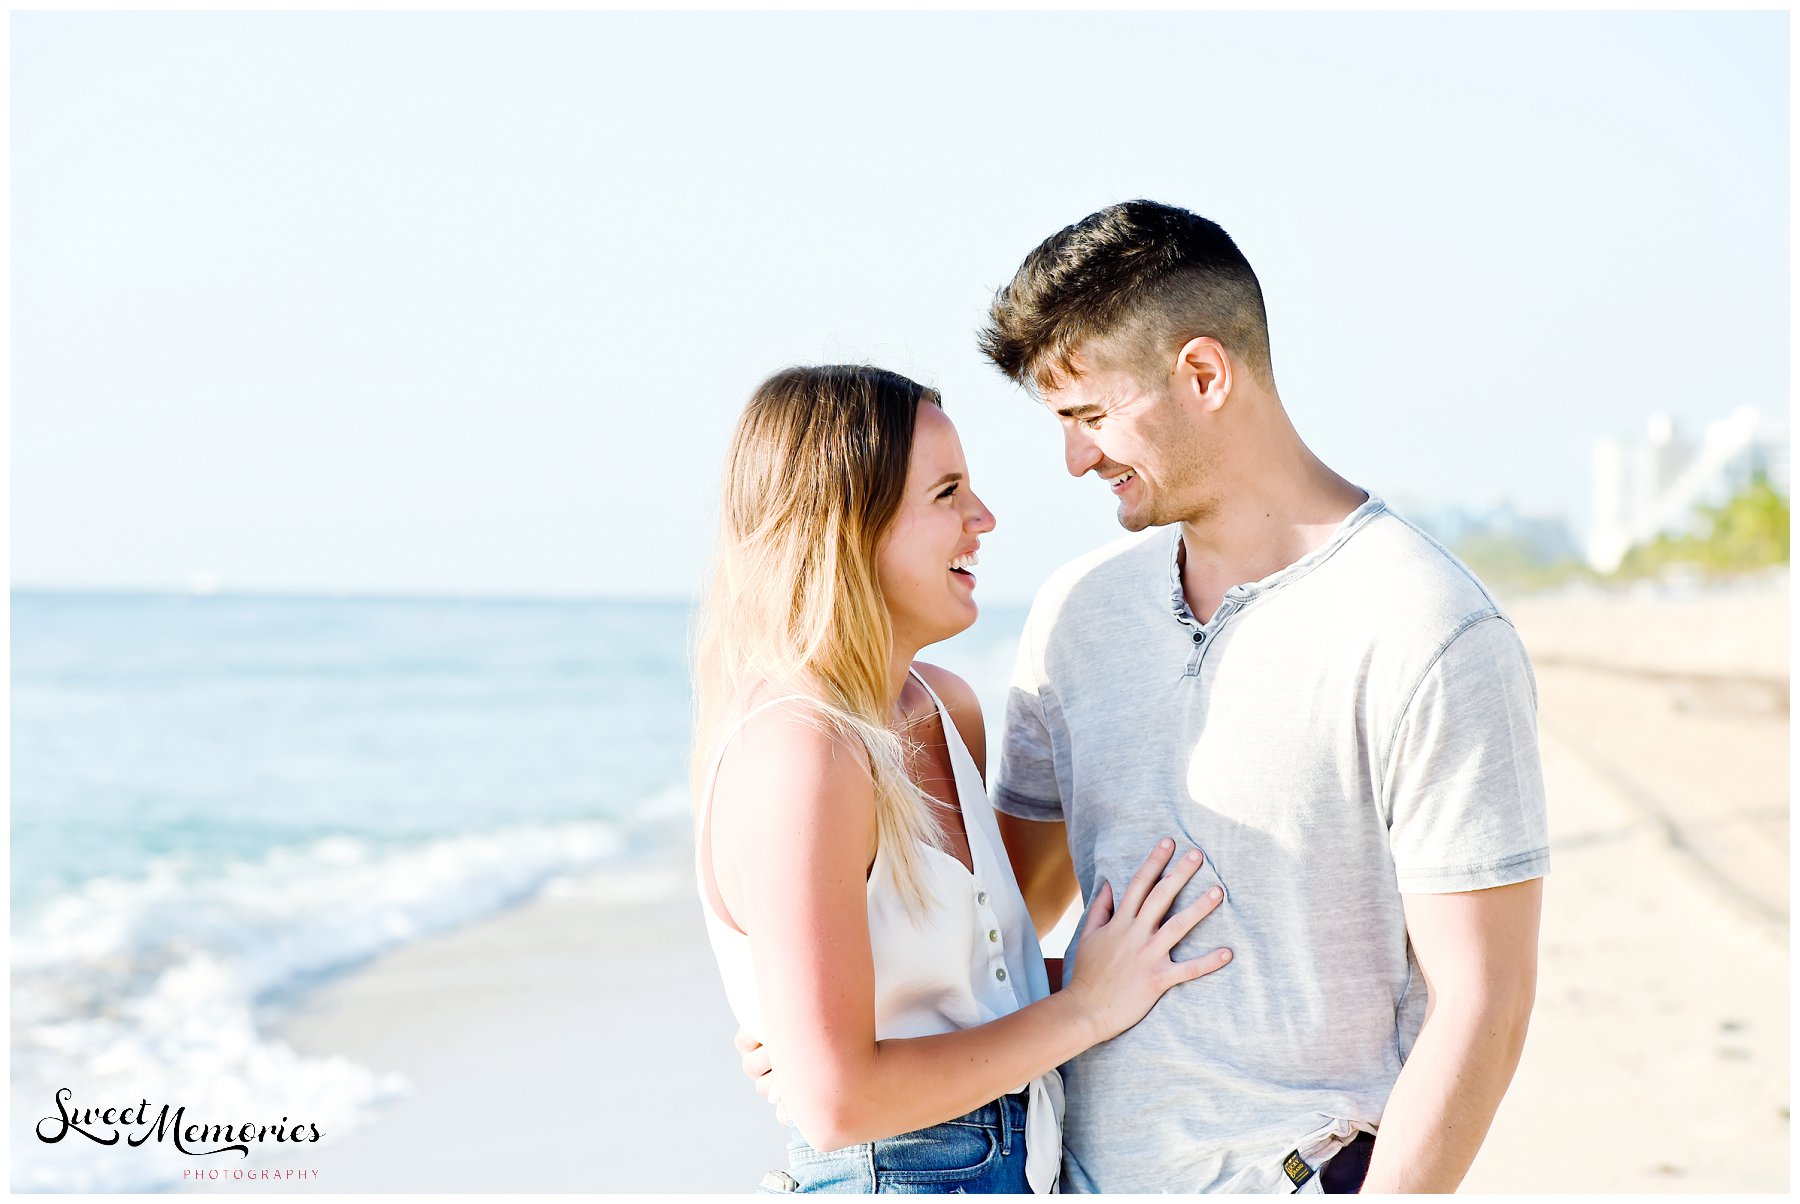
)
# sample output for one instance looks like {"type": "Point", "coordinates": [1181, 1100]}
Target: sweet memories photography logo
{"type": "Point", "coordinates": [170, 1124]}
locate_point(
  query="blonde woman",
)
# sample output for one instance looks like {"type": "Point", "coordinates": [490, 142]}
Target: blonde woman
{"type": "Point", "coordinates": [868, 927]}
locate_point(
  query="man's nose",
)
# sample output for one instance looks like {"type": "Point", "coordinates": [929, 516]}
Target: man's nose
{"type": "Point", "coordinates": [1079, 452]}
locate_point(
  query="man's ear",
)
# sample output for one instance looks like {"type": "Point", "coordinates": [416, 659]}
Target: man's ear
{"type": "Point", "coordinates": [1203, 373]}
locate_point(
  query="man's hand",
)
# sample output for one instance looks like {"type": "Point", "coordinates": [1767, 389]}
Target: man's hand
{"type": "Point", "coordinates": [761, 1072]}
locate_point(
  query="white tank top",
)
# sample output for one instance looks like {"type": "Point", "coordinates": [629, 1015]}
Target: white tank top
{"type": "Point", "coordinates": [972, 957]}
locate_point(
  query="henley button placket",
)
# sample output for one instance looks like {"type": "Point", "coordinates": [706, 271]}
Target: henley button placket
{"type": "Point", "coordinates": [1193, 665]}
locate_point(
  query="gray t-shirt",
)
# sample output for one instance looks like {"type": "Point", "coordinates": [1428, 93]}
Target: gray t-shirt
{"type": "Point", "coordinates": [1361, 723]}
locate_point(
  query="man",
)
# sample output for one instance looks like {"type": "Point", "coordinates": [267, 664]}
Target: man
{"type": "Point", "coordinates": [1308, 688]}
{"type": "Point", "coordinates": [1320, 697]}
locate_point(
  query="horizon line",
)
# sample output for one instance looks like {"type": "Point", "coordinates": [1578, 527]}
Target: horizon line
{"type": "Point", "coordinates": [371, 594]}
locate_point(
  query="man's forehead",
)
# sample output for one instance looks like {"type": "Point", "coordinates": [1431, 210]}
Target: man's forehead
{"type": "Point", "coordinates": [1080, 395]}
{"type": "Point", "coordinates": [1096, 376]}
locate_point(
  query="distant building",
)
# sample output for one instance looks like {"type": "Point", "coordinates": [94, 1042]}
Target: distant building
{"type": "Point", "coordinates": [1545, 536]}
{"type": "Point", "coordinates": [1643, 490]}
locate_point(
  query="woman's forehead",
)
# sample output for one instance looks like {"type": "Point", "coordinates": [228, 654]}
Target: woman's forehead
{"type": "Point", "coordinates": [936, 448]}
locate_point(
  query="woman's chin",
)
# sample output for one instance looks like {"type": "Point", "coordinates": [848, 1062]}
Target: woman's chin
{"type": "Point", "coordinates": [953, 626]}
{"type": "Point", "coordinates": [966, 619]}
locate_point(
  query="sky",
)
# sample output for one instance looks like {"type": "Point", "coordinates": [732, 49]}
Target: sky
{"type": "Point", "coordinates": [468, 303]}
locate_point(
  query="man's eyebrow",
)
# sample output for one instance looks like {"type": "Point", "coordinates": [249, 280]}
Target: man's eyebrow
{"type": "Point", "coordinates": [1080, 411]}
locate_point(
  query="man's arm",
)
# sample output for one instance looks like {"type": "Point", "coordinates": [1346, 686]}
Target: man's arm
{"type": "Point", "coordinates": [1478, 952]}
{"type": "Point", "coordinates": [1039, 852]}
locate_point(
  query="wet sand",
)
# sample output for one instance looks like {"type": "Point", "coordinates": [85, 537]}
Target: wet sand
{"type": "Point", "coordinates": [575, 1044]}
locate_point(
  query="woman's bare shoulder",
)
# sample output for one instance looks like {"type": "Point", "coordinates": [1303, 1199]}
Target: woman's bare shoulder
{"type": "Point", "coordinates": [792, 801]}
{"type": "Point", "coordinates": [965, 709]}
{"type": "Point", "coordinates": [796, 730]}
{"type": "Point", "coordinates": [956, 693]}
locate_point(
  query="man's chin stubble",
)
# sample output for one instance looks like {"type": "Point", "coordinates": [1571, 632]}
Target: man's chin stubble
{"type": "Point", "coordinates": [1133, 522]}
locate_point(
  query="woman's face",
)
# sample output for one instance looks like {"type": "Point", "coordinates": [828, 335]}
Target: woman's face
{"type": "Point", "coordinates": [938, 525]}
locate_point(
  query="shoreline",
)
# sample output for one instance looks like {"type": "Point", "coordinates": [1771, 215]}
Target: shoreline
{"type": "Point", "coordinates": [579, 1042]}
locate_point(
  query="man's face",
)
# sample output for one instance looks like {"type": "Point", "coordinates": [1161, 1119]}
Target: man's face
{"type": "Point", "coordinates": [1136, 440]}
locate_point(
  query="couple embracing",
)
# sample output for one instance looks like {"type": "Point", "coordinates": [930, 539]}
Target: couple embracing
{"type": "Point", "coordinates": [1279, 742]}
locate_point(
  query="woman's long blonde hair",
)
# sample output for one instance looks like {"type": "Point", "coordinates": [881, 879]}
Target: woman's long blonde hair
{"type": "Point", "coordinates": [814, 475]}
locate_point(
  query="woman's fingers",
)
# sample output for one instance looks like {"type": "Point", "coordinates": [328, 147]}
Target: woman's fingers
{"type": "Point", "coordinates": [1183, 922]}
{"type": "Point", "coordinates": [1145, 878]}
{"type": "Point", "coordinates": [1162, 897]}
{"type": "Point", "coordinates": [1199, 967]}
{"type": "Point", "coordinates": [1102, 909]}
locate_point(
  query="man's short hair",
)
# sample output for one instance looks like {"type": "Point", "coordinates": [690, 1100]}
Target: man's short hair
{"type": "Point", "coordinates": [1141, 277]}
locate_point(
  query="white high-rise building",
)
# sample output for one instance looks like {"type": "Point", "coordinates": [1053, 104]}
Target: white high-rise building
{"type": "Point", "coordinates": [1613, 501]}
{"type": "Point", "coordinates": [1645, 489]}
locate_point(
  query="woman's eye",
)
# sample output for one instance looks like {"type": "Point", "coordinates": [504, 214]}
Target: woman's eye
{"type": "Point", "coordinates": [947, 492]}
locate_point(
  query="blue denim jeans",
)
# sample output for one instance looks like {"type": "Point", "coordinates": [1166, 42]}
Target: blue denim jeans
{"type": "Point", "coordinates": [983, 1152]}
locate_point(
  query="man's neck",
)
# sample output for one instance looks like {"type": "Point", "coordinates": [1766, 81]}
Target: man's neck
{"type": "Point", "coordinates": [1267, 522]}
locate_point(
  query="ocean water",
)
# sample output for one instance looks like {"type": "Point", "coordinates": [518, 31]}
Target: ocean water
{"type": "Point", "coordinates": [220, 800]}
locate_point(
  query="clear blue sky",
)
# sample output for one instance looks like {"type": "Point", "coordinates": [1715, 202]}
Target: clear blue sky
{"type": "Point", "coordinates": [468, 302]}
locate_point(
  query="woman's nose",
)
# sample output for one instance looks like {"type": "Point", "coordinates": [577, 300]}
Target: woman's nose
{"type": "Point", "coordinates": [982, 519]}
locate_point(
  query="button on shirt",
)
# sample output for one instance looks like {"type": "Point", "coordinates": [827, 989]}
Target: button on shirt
{"type": "Point", "coordinates": [1359, 724]}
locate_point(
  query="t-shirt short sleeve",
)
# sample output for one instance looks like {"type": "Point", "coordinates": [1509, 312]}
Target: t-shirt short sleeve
{"type": "Point", "coordinates": [1026, 784]}
{"type": "Point", "coordinates": [1464, 784]}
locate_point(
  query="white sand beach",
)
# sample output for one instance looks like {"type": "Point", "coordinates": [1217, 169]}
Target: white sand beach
{"type": "Point", "coordinates": [574, 1044]}
{"type": "Point", "coordinates": [1658, 1054]}
{"type": "Point", "coordinates": [582, 1043]}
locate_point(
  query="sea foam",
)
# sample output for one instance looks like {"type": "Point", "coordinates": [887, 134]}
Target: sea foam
{"type": "Point", "coordinates": [147, 987]}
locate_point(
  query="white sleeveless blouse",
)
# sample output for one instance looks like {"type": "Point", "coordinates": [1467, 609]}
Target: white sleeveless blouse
{"type": "Point", "coordinates": [972, 957]}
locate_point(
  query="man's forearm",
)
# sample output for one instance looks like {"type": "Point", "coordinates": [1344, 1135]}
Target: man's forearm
{"type": "Point", "coordinates": [1039, 853]}
{"type": "Point", "coordinates": [1447, 1094]}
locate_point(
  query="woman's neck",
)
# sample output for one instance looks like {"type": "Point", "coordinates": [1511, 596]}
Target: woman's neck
{"type": "Point", "coordinates": [898, 670]}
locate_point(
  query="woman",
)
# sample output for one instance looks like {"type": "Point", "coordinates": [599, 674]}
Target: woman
{"type": "Point", "coordinates": [868, 927]}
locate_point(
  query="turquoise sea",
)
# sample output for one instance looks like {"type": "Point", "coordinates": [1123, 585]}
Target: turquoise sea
{"type": "Point", "coordinates": [220, 799]}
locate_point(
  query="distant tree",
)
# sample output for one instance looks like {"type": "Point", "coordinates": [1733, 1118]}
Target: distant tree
{"type": "Point", "coordinates": [1510, 562]}
{"type": "Point", "coordinates": [1749, 532]}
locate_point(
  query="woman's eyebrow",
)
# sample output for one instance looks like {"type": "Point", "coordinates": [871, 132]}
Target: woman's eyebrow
{"type": "Point", "coordinates": [945, 480]}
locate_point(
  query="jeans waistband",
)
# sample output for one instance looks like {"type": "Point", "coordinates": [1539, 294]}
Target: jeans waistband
{"type": "Point", "coordinates": [1008, 1110]}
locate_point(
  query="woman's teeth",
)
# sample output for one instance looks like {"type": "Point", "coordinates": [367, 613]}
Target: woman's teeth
{"type": "Point", "coordinates": [965, 562]}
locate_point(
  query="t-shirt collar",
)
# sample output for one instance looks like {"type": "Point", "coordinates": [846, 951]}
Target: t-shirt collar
{"type": "Point", "coordinates": [1244, 593]}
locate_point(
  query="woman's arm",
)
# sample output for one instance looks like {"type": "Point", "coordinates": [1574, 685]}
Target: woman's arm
{"type": "Point", "coordinates": [794, 834]}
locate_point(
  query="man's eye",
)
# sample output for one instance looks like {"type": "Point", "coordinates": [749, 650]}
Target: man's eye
{"type": "Point", "coordinates": [1092, 421]}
